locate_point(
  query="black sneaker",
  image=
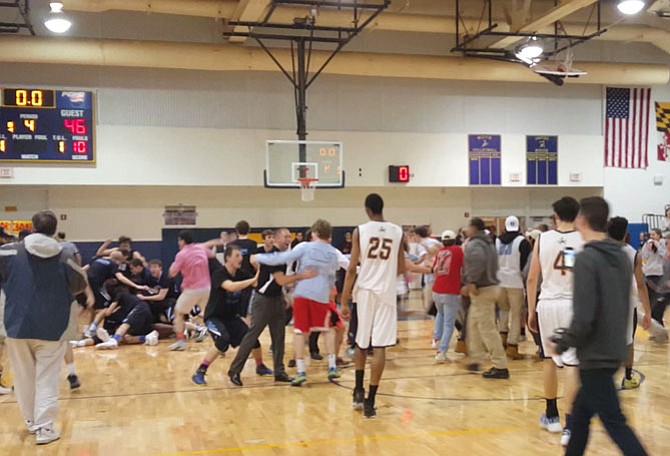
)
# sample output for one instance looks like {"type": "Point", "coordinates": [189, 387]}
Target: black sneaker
{"type": "Point", "coordinates": [496, 373]}
{"type": "Point", "coordinates": [359, 398]}
{"type": "Point", "coordinates": [74, 381]}
{"type": "Point", "coordinates": [291, 363]}
{"type": "Point", "coordinates": [235, 379]}
{"type": "Point", "coordinates": [369, 409]}
{"type": "Point", "coordinates": [473, 367]}
{"type": "Point", "coordinates": [283, 377]}
{"type": "Point", "coordinates": [316, 356]}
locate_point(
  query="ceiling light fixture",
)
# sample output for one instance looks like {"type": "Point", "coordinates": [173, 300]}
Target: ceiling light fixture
{"type": "Point", "coordinates": [57, 22]}
{"type": "Point", "coordinates": [530, 51]}
{"type": "Point", "coordinates": [630, 7]}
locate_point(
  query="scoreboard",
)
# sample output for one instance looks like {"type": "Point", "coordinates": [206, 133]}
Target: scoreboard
{"type": "Point", "coordinates": [46, 125]}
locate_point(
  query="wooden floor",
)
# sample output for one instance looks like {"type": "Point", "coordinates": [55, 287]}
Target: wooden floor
{"type": "Point", "coordinates": [140, 401]}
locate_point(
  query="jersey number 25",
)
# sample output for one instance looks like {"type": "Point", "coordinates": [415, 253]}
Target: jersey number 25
{"type": "Point", "coordinates": [380, 248]}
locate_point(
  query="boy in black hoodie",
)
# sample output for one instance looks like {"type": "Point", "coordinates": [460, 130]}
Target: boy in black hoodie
{"type": "Point", "coordinates": [602, 284]}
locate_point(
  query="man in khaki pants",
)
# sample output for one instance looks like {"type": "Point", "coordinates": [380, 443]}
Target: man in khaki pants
{"type": "Point", "coordinates": [482, 285]}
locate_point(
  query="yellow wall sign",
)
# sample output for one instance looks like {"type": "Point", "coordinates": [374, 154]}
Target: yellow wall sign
{"type": "Point", "coordinates": [14, 226]}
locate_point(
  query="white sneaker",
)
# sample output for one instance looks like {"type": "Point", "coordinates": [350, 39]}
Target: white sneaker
{"type": "Point", "coordinates": [151, 338]}
{"type": "Point", "coordinates": [46, 435]}
{"type": "Point", "coordinates": [111, 344]}
{"type": "Point", "coordinates": [32, 429]}
{"type": "Point", "coordinates": [433, 343]}
{"type": "Point", "coordinates": [552, 425]}
{"type": "Point", "coordinates": [102, 334]}
{"type": "Point", "coordinates": [180, 345]}
{"type": "Point", "coordinates": [441, 358]}
{"type": "Point", "coordinates": [5, 391]}
{"type": "Point", "coordinates": [565, 438]}
{"type": "Point", "coordinates": [202, 333]}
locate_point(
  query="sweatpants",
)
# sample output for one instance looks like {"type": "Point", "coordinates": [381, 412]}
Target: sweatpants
{"type": "Point", "coordinates": [483, 335]}
{"type": "Point", "coordinates": [36, 365]}
{"type": "Point", "coordinates": [265, 311]}
{"type": "Point", "coordinates": [598, 396]}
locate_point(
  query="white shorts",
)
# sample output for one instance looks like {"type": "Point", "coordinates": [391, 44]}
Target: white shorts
{"type": "Point", "coordinates": [191, 297]}
{"type": "Point", "coordinates": [551, 315]}
{"type": "Point", "coordinates": [377, 320]}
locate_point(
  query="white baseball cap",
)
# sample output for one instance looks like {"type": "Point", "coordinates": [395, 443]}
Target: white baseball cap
{"type": "Point", "coordinates": [448, 235]}
{"type": "Point", "coordinates": [511, 223]}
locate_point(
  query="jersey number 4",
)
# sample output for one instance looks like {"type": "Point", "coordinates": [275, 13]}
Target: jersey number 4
{"type": "Point", "coordinates": [380, 248]}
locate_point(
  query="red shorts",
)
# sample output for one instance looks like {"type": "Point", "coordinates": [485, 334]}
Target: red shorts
{"type": "Point", "coordinates": [310, 315]}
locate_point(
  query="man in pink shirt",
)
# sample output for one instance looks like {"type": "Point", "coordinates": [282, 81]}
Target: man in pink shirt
{"type": "Point", "coordinates": [192, 261]}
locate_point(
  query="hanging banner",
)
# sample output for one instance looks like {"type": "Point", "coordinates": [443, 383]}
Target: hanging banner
{"type": "Point", "coordinates": [542, 160]}
{"type": "Point", "coordinates": [484, 159]}
{"type": "Point", "coordinates": [663, 129]}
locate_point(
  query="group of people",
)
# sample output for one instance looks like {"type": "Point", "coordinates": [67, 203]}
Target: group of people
{"type": "Point", "coordinates": [576, 287]}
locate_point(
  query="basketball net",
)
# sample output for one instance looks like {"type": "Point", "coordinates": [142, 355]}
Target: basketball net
{"type": "Point", "coordinates": [307, 188]}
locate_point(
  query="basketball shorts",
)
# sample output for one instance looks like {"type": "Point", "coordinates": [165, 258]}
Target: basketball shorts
{"type": "Point", "coordinates": [140, 320]}
{"type": "Point", "coordinates": [310, 315]}
{"type": "Point", "coordinates": [554, 314]}
{"type": "Point", "coordinates": [377, 320]}
{"type": "Point", "coordinates": [226, 332]}
{"type": "Point", "coordinates": [191, 297]}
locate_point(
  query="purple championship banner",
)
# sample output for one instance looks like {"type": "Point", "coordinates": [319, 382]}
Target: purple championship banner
{"type": "Point", "coordinates": [484, 159]}
{"type": "Point", "coordinates": [542, 160]}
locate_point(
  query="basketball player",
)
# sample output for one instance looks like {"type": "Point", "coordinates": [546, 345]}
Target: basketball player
{"type": "Point", "coordinates": [616, 228]}
{"type": "Point", "coordinates": [192, 261]}
{"type": "Point", "coordinates": [377, 246]}
{"type": "Point", "coordinates": [553, 260]}
{"type": "Point", "coordinates": [312, 296]}
{"type": "Point", "coordinates": [137, 323]}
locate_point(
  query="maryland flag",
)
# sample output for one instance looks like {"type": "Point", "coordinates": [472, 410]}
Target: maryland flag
{"type": "Point", "coordinates": [663, 128]}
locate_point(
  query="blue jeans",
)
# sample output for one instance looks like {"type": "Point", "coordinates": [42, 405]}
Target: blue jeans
{"type": "Point", "coordinates": [447, 309]}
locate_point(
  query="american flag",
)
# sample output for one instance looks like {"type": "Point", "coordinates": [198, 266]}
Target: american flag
{"type": "Point", "coordinates": [627, 127]}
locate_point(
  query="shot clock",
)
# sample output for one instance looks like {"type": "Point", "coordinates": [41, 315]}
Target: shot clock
{"type": "Point", "coordinates": [399, 174]}
{"type": "Point", "coordinates": [46, 125]}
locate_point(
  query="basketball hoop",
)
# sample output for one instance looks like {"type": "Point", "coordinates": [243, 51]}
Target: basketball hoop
{"type": "Point", "coordinates": [307, 188]}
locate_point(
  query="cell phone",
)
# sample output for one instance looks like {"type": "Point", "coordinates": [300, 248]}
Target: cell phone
{"type": "Point", "coordinates": [569, 257]}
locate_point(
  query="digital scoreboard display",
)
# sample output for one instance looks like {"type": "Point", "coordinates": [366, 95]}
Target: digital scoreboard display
{"type": "Point", "coordinates": [46, 125]}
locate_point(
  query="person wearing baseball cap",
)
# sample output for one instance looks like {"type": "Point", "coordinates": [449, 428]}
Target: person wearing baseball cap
{"type": "Point", "coordinates": [446, 291]}
{"type": "Point", "coordinates": [513, 252]}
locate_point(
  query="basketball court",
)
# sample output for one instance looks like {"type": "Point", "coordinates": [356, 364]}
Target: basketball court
{"type": "Point", "coordinates": [147, 118]}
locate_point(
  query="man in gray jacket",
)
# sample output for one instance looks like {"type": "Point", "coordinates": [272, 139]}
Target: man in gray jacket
{"type": "Point", "coordinates": [39, 282]}
{"type": "Point", "coordinates": [482, 285]}
{"type": "Point", "coordinates": [601, 300]}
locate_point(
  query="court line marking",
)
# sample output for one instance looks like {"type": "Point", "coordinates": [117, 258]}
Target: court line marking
{"type": "Point", "coordinates": [308, 443]}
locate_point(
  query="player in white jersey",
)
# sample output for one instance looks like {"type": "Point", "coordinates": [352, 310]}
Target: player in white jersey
{"type": "Point", "coordinates": [553, 259]}
{"type": "Point", "coordinates": [638, 295]}
{"type": "Point", "coordinates": [377, 246]}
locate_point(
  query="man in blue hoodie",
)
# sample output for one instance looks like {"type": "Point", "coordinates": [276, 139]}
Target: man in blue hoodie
{"type": "Point", "coordinates": [40, 282]}
{"type": "Point", "coordinates": [601, 301]}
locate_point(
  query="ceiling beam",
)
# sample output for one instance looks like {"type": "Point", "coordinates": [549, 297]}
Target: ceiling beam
{"type": "Point", "coordinates": [557, 13]}
{"type": "Point", "coordinates": [221, 57]}
{"type": "Point", "coordinates": [248, 11]}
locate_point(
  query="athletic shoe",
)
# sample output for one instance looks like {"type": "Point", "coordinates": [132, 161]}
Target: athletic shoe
{"type": "Point", "coordinates": [433, 343]}
{"type": "Point", "coordinates": [552, 425]}
{"type": "Point", "coordinates": [4, 391]}
{"type": "Point", "coordinates": [299, 379]}
{"type": "Point", "coordinates": [496, 373]}
{"type": "Point", "coordinates": [565, 437]}
{"type": "Point", "coordinates": [151, 338]}
{"type": "Point", "coordinates": [32, 429]}
{"type": "Point", "coordinates": [201, 333]}
{"type": "Point", "coordinates": [264, 371]}
{"type": "Point", "coordinates": [316, 356]}
{"type": "Point", "coordinates": [441, 358]}
{"type": "Point", "coordinates": [199, 378]}
{"type": "Point", "coordinates": [74, 381]}
{"type": "Point", "coordinates": [74, 343]}
{"type": "Point", "coordinates": [339, 362]}
{"type": "Point", "coordinates": [46, 435]}
{"type": "Point", "coordinates": [359, 398]}
{"type": "Point", "coordinates": [369, 409]}
{"type": "Point", "coordinates": [180, 345]}
{"type": "Point", "coordinates": [632, 383]}
{"type": "Point", "coordinates": [333, 374]}
{"type": "Point", "coordinates": [235, 379]}
{"type": "Point", "coordinates": [102, 334]}
{"type": "Point", "coordinates": [291, 363]}
{"type": "Point", "coordinates": [111, 344]}
{"type": "Point", "coordinates": [283, 378]}
{"type": "Point", "coordinates": [351, 352]}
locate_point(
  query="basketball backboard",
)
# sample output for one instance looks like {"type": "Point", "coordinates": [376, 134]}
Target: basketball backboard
{"type": "Point", "coordinates": [288, 161]}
